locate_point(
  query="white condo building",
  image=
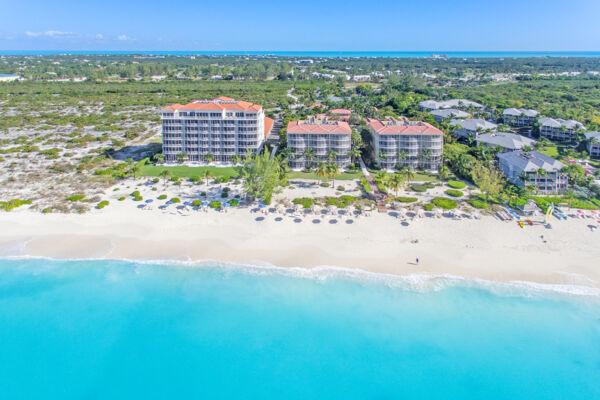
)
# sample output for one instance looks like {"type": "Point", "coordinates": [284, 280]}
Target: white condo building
{"type": "Point", "coordinates": [409, 143]}
{"type": "Point", "coordinates": [322, 136]}
{"type": "Point", "coordinates": [223, 127]}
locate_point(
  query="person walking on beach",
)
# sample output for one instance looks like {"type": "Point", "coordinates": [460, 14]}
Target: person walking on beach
{"type": "Point", "coordinates": [417, 260]}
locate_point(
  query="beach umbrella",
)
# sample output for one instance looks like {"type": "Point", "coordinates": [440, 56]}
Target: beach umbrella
{"type": "Point", "coordinates": [149, 201]}
{"type": "Point", "coordinates": [226, 205]}
{"type": "Point", "coordinates": [187, 203]}
{"type": "Point", "coordinates": [204, 203]}
{"type": "Point", "coordinates": [169, 203]}
{"type": "Point", "coordinates": [262, 205]}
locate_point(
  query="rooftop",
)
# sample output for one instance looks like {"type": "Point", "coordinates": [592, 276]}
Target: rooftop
{"type": "Point", "coordinates": [318, 126]}
{"type": "Point", "coordinates": [454, 103]}
{"type": "Point", "coordinates": [506, 140]}
{"type": "Point", "coordinates": [450, 113]}
{"type": "Point", "coordinates": [402, 126]}
{"type": "Point", "coordinates": [218, 104]}
{"type": "Point", "coordinates": [474, 124]}
{"type": "Point", "coordinates": [561, 123]}
{"type": "Point", "coordinates": [341, 111]}
{"type": "Point", "coordinates": [595, 135]}
{"type": "Point", "coordinates": [531, 161]}
{"type": "Point", "coordinates": [517, 112]}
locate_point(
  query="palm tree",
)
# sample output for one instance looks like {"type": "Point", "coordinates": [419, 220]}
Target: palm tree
{"type": "Point", "coordinates": [332, 171]}
{"type": "Point", "coordinates": [321, 169]}
{"type": "Point", "coordinates": [206, 174]}
{"type": "Point", "coordinates": [332, 156]}
{"type": "Point", "coordinates": [159, 157]}
{"type": "Point", "coordinates": [136, 170]}
{"type": "Point", "coordinates": [208, 158]}
{"type": "Point", "coordinates": [443, 172]}
{"type": "Point", "coordinates": [181, 157]}
{"type": "Point", "coordinates": [395, 182]}
{"type": "Point", "coordinates": [237, 159]}
{"type": "Point", "coordinates": [355, 153]}
{"type": "Point", "coordinates": [410, 173]}
{"type": "Point", "coordinates": [309, 155]}
{"type": "Point", "coordinates": [425, 155]}
{"type": "Point", "coordinates": [402, 156]}
{"type": "Point", "coordinates": [165, 174]}
{"type": "Point", "coordinates": [524, 177]}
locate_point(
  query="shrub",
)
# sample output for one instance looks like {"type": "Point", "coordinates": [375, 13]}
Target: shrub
{"type": "Point", "coordinates": [324, 184]}
{"type": "Point", "coordinates": [365, 184]}
{"type": "Point", "coordinates": [428, 207]}
{"type": "Point", "coordinates": [136, 193]}
{"type": "Point", "coordinates": [454, 193]}
{"type": "Point", "coordinates": [478, 204]}
{"type": "Point", "coordinates": [102, 204]}
{"type": "Point", "coordinates": [418, 188]}
{"type": "Point", "coordinates": [403, 199]}
{"type": "Point", "coordinates": [175, 200]}
{"type": "Point", "coordinates": [196, 203]}
{"type": "Point", "coordinates": [175, 178]}
{"type": "Point", "coordinates": [234, 202]}
{"type": "Point", "coordinates": [46, 210]}
{"type": "Point", "coordinates": [203, 194]}
{"type": "Point", "coordinates": [224, 194]}
{"type": "Point", "coordinates": [429, 185]}
{"type": "Point", "coordinates": [162, 197]}
{"type": "Point", "coordinates": [76, 197]}
{"type": "Point", "coordinates": [14, 203]}
{"type": "Point", "coordinates": [115, 189]}
{"type": "Point", "coordinates": [457, 184]}
{"type": "Point", "coordinates": [516, 202]}
{"type": "Point", "coordinates": [121, 198]}
{"type": "Point", "coordinates": [195, 179]}
{"type": "Point", "coordinates": [155, 180]}
{"type": "Point", "coordinates": [214, 204]}
{"type": "Point", "coordinates": [341, 188]}
{"type": "Point", "coordinates": [138, 198]}
{"type": "Point", "coordinates": [446, 204]}
{"type": "Point", "coordinates": [381, 187]}
{"type": "Point", "coordinates": [154, 189]}
{"type": "Point", "coordinates": [305, 202]}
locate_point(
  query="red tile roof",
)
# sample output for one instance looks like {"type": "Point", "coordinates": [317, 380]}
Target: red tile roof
{"type": "Point", "coordinates": [402, 127]}
{"type": "Point", "coordinates": [218, 104]}
{"type": "Point", "coordinates": [342, 111]}
{"type": "Point", "coordinates": [316, 127]}
{"type": "Point", "coordinates": [268, 125]}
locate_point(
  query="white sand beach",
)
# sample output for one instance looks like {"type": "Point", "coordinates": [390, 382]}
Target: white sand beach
{"type": "Point", "coordinates": [485, 248]}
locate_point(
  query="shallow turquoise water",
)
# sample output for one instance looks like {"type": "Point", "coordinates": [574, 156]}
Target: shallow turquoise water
{"type": "Point", "coordinates": [100, 330]}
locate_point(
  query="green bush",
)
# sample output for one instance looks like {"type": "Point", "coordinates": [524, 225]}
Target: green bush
{"type": "Point", "coordinates": [224, 194]}
{"type": "Point", "coordinates": [46, 210]}
{"type": "Point", "coordinates": [446, 204]}
{"type": "Point", "coordinates": [428, 207]}
{"type": "Point", "coordinates": [175, 200]}
{"type": "Point", "coordinates": [516, 202]}
{"type": "Point", "coordinates": [162, 197]}
{"type": "Point", "coordinates": [418, 188]}
{"type": "Point", "coordinates": [478, 204]}
{"type": "Point", "coordinates": [234, 202]}
{"type": "Point", "coordinates": [121, 198]}
{"type": "Point", "coordinates": [202, 194]}
{"type": "Point", "coordinates": [102, 204]}
{"type": "Point", "coordinates": [305, 202]}
{"type": "Point", "coordinates": [214, 204]}
{"type": "Point", "coordinates": [403, 199]}
{"type": "Point", "coordinates": [175, 178]}
{"type": "Point", "coordinates": [155, 180]}
{"type": "Point", "coordinates": [457, 184]}
{"type": "Point", "coordinates": [76, 197]}
{"type": "Point", "coordinates": [429, 185]}
{"type": "Point", "coordinates": [11, 204]}
{"type": "Point", "coordinates": [324, 184]}
{"type": "Point", "coordinates": [195, 179]}
{"type": "Point", "coordinates": [138, 198]}
{"type": "Point", "coordinates": [136, 193]}
{"type": "Point", "coordinates": [196, 203]}
{"type": "Point", "coordinates": [454, 193]}
{"type": "Point", "coordinates": [365, 184]}
{"type": "Point", "coordinates": [341, 188]}
{"type": "Point", "coordinates": [544, 202]}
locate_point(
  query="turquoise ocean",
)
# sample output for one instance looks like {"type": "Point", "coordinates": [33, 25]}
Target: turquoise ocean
{"type": "Point", "coordinates": [122, 329]}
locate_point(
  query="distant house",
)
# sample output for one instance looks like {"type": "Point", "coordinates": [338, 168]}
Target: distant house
{"type": "Point", "coordinates": [472, 126]}
{"type": "Point", "coordinates": [9, 77]}
{"type": "Point", "coordinates": [525, 168]}
{"type": "Point", "coordinates": [460, 104]}
{"type": "Point", "coordinates": [593, 143]}
{"type": "Point", "coordinates": [559, 129]}
{"type": "Point", "coordinates": [520, 117]}
{"type": "Point", "coordinates": [448, 113]}
{"type": "Point", "coordinates": [158, 77]}
{"type": "Point", "coordinates": [342, 113]}
{"type": "Point", "coordinates": [508, 141]}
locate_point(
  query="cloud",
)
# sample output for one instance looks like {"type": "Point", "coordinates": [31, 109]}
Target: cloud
{"type": "Point", "coordinates": [124, 37]}
{"type": "Point", "coordinates": [52, 34]}
{"type": "Point", "coordinates": [99, 36]}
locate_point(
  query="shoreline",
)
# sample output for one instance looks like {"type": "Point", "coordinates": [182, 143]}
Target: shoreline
{"type": "Point", "coordinates": [484, 249]}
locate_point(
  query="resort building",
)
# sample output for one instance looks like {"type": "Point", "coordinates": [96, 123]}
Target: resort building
{"type": "Point", "coordinates": [472, 127]}
{"type": "Point", "coordinates": [406, 143]}
{"type": "Point", "coordinates": [520, 117]}
{"type": "Point", "coordinates": [448, 113]}
{"type": "Point", "coordinates": [534, 168]}
{"type": "Point", "coordinates": [461, 104]}
{"type": "Point", "coordinates": [222, 127]}
{"type": "Point", "coordinates": [559, 129]}
{"type": "Point", "coordinates": [315, 139]}
{"type": "Point", "coordinates": [593, 147]}
{"type": "Point", "coordinates": [507, 141]}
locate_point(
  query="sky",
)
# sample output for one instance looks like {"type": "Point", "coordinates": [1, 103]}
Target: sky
{"type": "Point", "coordinates": [308, 25]}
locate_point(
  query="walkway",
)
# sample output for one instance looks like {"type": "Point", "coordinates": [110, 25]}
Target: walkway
{"type": "Point", "coordinates": [375, 194]}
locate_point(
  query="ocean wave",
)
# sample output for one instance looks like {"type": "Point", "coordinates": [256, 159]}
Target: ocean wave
{"type": "Point", "coordinates": [418, 282]}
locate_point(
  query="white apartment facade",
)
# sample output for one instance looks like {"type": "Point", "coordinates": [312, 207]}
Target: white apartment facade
{"type": "Point", "coordinates": [593, 143]}
{"type": "Point", "coordinates": [559, 129]}
{"type": "Point", "coordinates": [407, 143]}
{"type": "Point", "coordinates": [222, 127]}
{"type": "Point", "coordinates": [313, 141]}
{"type": "Point", "coordinates": [520, 117]}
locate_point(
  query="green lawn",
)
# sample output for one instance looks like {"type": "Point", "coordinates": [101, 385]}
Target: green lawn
{"type": "Point", "coordinates": [550, 151]}
{"type": "Point", "coordinates": [345, 176]}
{"type": "Point", "coordinates": [187, 172]}
{"type": "Point", "coordinates": [559, 152]}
